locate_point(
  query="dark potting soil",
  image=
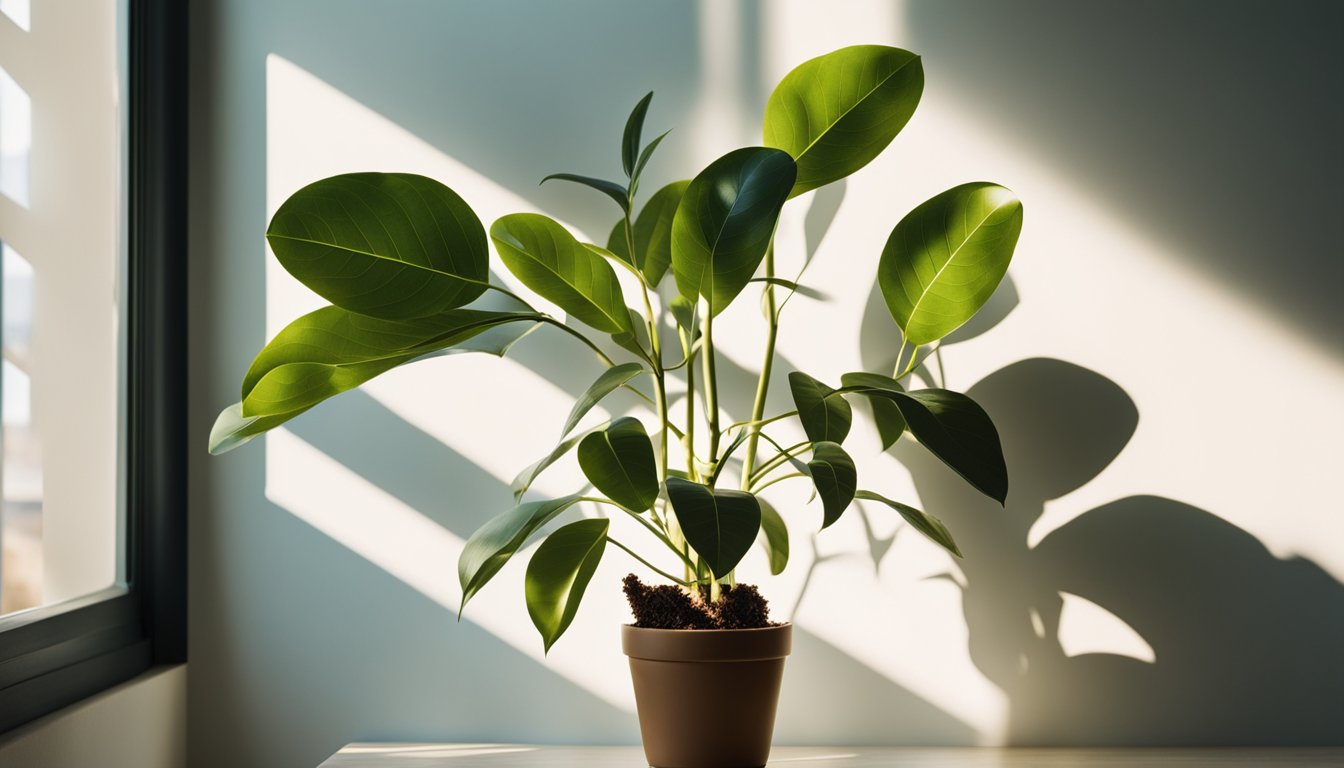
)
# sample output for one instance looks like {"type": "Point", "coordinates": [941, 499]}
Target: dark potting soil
{"type": "Point", "coordinates": [666, 606]}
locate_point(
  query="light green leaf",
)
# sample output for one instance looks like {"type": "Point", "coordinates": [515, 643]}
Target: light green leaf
{"type": "Point", "coordinates": [720, 525]}
{"type": "Point", "coordinates": [890, 422]}
{"type": "Point", "coordinates": [837, 112]}
{"type": "Point", "coordinates": [491, 546]}
{"type": "Point", "coordinates": [835, 478]}
{"type": "Point", "coordinates": [653, 233]}
{"type": "Point", "coordinates": [619, 462]}
{"type": "Point", "coordinates": [921, 521]}
{"type": "Point", "coordinates": [946, 257]}
{"type": "Point", "coordinates": [559, 573]}
{"type": "Point", "coordinates": [547, 259]}
{"type": "Point", "coordinates": [775, 538]}
{"type": "Point", "coordinates": [633, 136]}
{"type": "Point", "coordinates": [609, 188]}
{"type": "Point", "coordinates": [391, 245]}
{"type": "Point", "coordinates": [683, 312]}
{"type": "Point", "coordinates": [725, 221]}
{"type": "Point", "coordinates": [823, 417]}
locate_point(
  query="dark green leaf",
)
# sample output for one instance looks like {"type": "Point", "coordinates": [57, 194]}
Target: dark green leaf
{"type": "Point", "coordinates": [946, 257]}
{"type": "Point", "coordinates": [725, 221]}
{"type": "Point", "coordinates": [890, 422]}
{"type": "Point", "coordinates": [609, 188]}
{"type": "Point", "coordinates": [837, 112]}
{"type": "Point", "coordinates": [959, 432]}
{"type": "Point", "coordinates": [610, 380]}
{"type": "Point", "coordinates": [835, 478]}
{"type": "Point", "coordinates": [720, 525]}
{"type": "Point", "coordinates": [633, 136]}
{"type": "Point", "coordinates": [547, 259]}
{"type": "Point", "coordinates": [921, 521]}
{"type": "Point", "coordinates": [619, 462]}
{"type": "Point", "coordinates": [390, 245]}
{"type": "Point", "coordinates": [776, 538]}
{"type": "Point", "coordinates": [823, 417]}
{"type": "Point", "coordinates": [491, 546]}
{"type": "Point", "coordinates": [558, 574]}
{"type": "Point", "coordinates": [653, 233]}
{"type": "Point", "coordinates": [644, 160]}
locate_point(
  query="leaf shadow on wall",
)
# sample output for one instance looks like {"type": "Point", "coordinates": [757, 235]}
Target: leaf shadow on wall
{"type": "Point", "coordinates": [1247, 645]}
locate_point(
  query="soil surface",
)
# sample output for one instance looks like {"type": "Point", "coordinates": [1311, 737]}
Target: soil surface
{"type": "Point", "coordinates": [666, 606]}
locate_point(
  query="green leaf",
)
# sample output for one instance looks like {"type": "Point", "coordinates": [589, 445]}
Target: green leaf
{"type": "Point", "coordinates": [619, 462]}
{"type": "Point", "coordinates": [837, 112]}
{"type": "Point", "coordinates": [653, 233]}
{"type": "Point", "coordinates": [547, 259]}
{"type": "Point", "coordinates": [491, 546]}
{"type": "Point", "coordinates": [391, 245]}
{"type": "Point", "coordinates": [644, 160]}
{"type": "Point", "coordinates": [524, 479]}
{"type": "Point", "coordinates": [720, 525]}
{"type": "Point", "coordinates": [558, 574]}
{"type": "Point", "coordinates": [835, 478]}
{"type": "Point", "coordinates": [683, 312]}
{"type": "Point", "coordinates": [890, 422]}
{"type": "Point", "coordinates": [946, 257]}
{"type": "Point", "coordinates": [611, 379]}
{"type": "Point", "coordinates": [775, 539]}
{"type": "Point", "coordinates": [959, 432]}
{"type": "Point", "coordinates": [233, 429]}
{"type": "Point", "coordinates": [634, 129]}
{"type": "Point", "coordinates": [921, 521]}
{"type": "Point", "coordinates": [725, 221]}
{"type": "Point", "coordinates": [823, 417]}
{"type": "Point", "coordinates": [609, 188]}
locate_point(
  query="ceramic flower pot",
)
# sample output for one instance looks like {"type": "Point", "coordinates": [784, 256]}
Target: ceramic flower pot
{"type": "Point", "coordinates": [707, 697]}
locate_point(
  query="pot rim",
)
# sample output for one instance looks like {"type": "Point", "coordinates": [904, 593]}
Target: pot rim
{"type": "Point", "coordinates": [707, 645]}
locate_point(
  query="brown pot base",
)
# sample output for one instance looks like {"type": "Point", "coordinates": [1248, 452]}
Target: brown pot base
{"type": "Point", "coordinates": [707, 697]}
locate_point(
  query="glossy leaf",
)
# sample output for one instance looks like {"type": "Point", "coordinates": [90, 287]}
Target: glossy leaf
{"type": "Point", "coordinates": [653, 233]}
{"type": "Point", "coordinates": [631, 139]}
{"type": "Point", "coordinates": [921, 521]}
{"type": "Point", "coordinates": [823, 416]}
{"type": "Point", "coordinates": [837, 112]}
{"type": "Point", "coordinates": [491, 546]}
{"type": "Point", "coordinates": [390, 245]}
{"type": "Point", "coordinates": [547, 259]}
{"type": "Point", "coordinates": [611, 379]}
{"type": "Point", "coordinates": [959, 432]}
{"type": "Point", "coordinates": [943, 261]}
{"type": "Point", "coordinates": [609, 188]}
{"type": "Point", "coordinates": [524, 479]}
{"type": "Point", "coordinates": [720, 525]}
{"type": "Point", "coordinates": [558, 574]}
{"type": "Point", "coordinates": [775, 537]}
{"type": "Point", "coordinates": [890, 422]}
{"type": "Point", "coordinates": [232, 428]}
{"type": "Point", "coordinates": [725, 222]}
{"type": "Point", "coordinates": [619, 462]}
{"type": "Point", "coordinates": [835, 478]}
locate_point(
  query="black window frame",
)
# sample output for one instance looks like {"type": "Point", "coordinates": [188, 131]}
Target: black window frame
{"type": "Point", "coordinates": [54, 656]}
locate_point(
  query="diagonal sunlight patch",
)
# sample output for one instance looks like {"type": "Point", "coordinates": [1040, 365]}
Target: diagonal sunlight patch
{"type": "Point", "coordinates": [1085, 627]}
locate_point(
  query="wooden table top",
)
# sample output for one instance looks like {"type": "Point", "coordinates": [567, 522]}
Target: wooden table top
{"type": "Point", "coordinates": [523, 756]}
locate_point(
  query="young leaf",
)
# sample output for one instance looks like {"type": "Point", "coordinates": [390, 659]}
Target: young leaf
{"type": "Point", "coordinates": [524, 479]}
{"type": "Point", "coordinates": [720, 525]}
{"type": "Point", "coordinates": [823, 416]}
{"type": "Point", "coordinates": [959, 432]}
{"type": "Point", "coordinates": [653, 233]}
{"type": "Point", "coordinates": [611, 379]}
{"type": "Point", "coordinates": [619, 462]}
{"type": "Point", "coordinates": [391, 245]}
{"type": "Point", "coordinates": [644, 160]}
{"type": "Point", "coordinates": [725, 221]}
{"type": "Point", "coordinates": [837, 112]}
{"type": "Point", "coordinates": [943, 261]}
{"type": "Point", "coordinates": [890, 422]}
{"type": "Point", "coordinates": [609, 188]}
{"type": "Point", "coordinates": [923, 522]}
{"type": "Point", "coordinates": [547, 259]}
{"type": "Point", "coordinates": [559, 573]}
{"type": "Point", "coordinates": [775, 538]}
{"type": "Point", "coordinates": [491, 546]}
{"type": "Point", "coordinates": [835, 478]}
{"type": "Point", "coordinates": [631, 139]}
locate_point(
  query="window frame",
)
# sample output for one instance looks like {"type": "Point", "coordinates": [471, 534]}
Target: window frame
{"type": "Point", "coordinates": [54, 656]}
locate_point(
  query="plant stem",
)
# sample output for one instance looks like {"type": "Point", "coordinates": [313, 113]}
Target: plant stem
{"type": "Point", "coordinates": [711, 387]}
{"type": "Point", "coordinates": [759, 488]}
{"type": "Point", "coordinates": [763, 383]}
{"type": "Point", "coordinates": [649, 565]}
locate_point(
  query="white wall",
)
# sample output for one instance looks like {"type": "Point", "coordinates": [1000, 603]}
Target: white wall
{"type": "Point", "coordinates": [1165, 375]}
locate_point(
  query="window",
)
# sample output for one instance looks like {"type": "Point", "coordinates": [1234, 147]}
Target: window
{"type": "Point", "coordinates": [92, 329]}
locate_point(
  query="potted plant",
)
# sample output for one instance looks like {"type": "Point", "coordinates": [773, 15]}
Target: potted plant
{"type": "Point", "coordinates": [404, 262]}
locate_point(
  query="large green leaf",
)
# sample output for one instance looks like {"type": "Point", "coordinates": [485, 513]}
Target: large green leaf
{"type": "Point", "coordinates": [391, 245]}
{"type": "Point", "coordinates": [823, 416]}
{"type": "Point", "coordinates": [633, 135]}
{"type": "Point", "coordinates": [890, 422]}
{"type": "Point", "coordinates": [491, 546]}
{"type": "Point", "coordinates": [837, 112]}
{"type": "Point", "coordinates": [619, 462]}
{"type": "Point", "coordinates": [775, 538]}
{"type": "Point", "coordinates": [835, 478]}
{"type": "Point", "coordinates": [921, 521]}
{"type": "Point", "coordinates": [719, 525]}
{"type": "Point", "coordinates": [946, 257]}
{"type": "Point", "coordinates": [725, 221]}
{"type": "Point", "coordinates": [559, 572]}
{"type": "Point", "coordinates": [547, 258]}
{"type": "Point", "coordinates": [653, 233]}
{"type": "Point", "coordinates": [959, 432]}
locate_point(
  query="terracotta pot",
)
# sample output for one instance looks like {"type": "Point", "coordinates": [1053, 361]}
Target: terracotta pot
{"type": "Point", "coordinates": [707, 697]}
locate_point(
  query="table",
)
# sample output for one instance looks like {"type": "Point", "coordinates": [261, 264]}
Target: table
{"type": "Point", "coordinates": [523, 756]}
